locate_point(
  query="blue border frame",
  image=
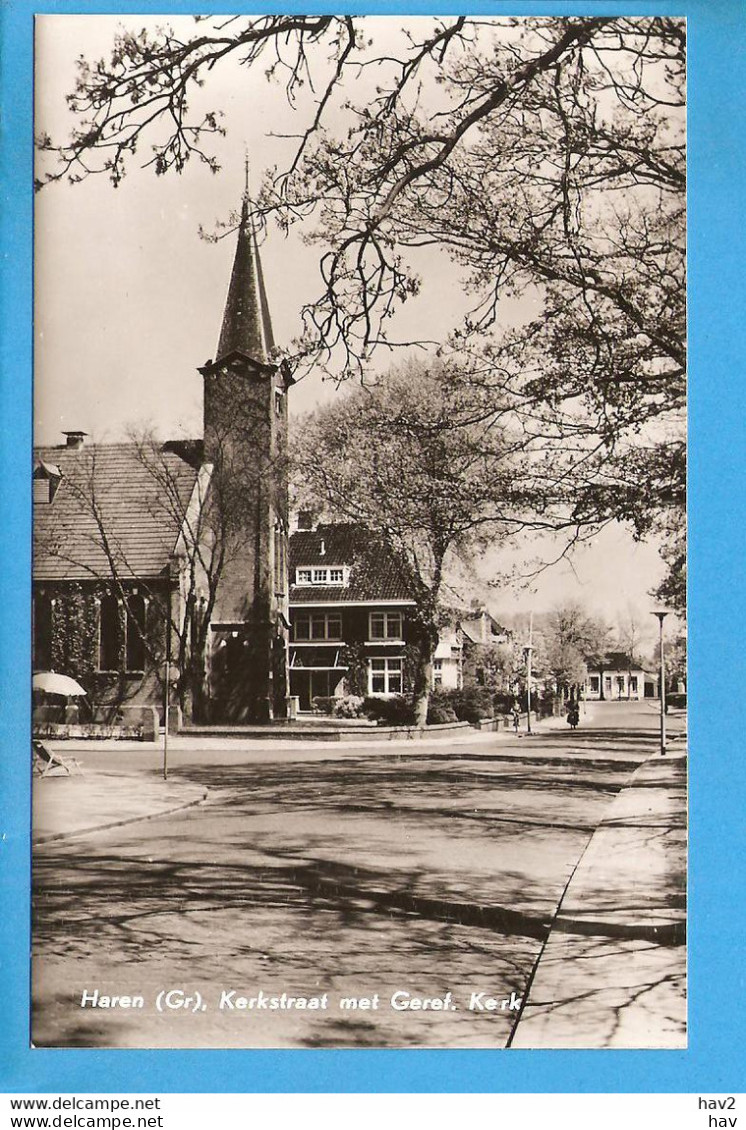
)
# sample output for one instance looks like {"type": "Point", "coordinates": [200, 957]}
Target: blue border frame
{"type": "Point", "coordinates": [717, 128]}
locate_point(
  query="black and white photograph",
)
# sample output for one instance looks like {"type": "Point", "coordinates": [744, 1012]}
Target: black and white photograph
{"type": "Point", "coordinates": [359, 570]}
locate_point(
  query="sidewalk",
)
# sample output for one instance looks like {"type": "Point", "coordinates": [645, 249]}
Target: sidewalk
{"type": "Point", "coordinates": [612, 971]}
{"type": "Point", "coordinates": [251, 742]}
{"type": "Point", "coordinates": [64, 807]}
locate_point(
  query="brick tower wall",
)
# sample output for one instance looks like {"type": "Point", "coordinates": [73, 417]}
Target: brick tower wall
{"type": "Point", "coordinates": [246, 441]}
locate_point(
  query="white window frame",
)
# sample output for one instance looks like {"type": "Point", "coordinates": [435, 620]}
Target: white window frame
{"type": "Point", "coordinates": [390, 620]}
{"type": "Point", "coordinates": [437, 672]}
{"type": "Point", "coordinates": [317, 617]}
{"type": "Point", "coordinates": [392, 669]}
{"type": "Point", "coordinates": [322, 575]}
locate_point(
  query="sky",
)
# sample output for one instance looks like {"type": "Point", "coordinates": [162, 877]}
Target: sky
{"type": "Point", "coordinates": [129, 301]}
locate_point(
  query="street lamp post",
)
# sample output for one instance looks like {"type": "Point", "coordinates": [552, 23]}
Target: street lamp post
{"type": "Point", "coordinates": [528, 649]}
{"type": "Point", "coordinates": [167, 694]}
{"type": "Point", "coordinates": [168, 660]}
{"type": "Point", "coordinates": [661, 614]}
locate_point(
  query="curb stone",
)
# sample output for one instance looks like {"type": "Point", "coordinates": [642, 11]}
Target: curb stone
{"type": "Point", "coordinates": [56, 837]}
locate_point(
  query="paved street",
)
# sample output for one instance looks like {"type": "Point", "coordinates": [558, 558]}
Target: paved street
{"type": "Point", "coordinates": [421, 869]}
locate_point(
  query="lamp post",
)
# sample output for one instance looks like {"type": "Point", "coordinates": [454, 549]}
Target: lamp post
{"type": "Point", "coordinates": [660, 614]}
{"type": "Point", "coordinates": [167, 694]}
{"type": "Point", "coordinates": [172, 590]}
{"type": "Point", "coordinates": [528, 651]}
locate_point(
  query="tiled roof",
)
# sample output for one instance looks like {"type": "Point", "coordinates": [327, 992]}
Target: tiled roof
{"type": "Point", "coordinates": [473, 629]}
{"type": "Point", "coordinates": [137, 521]}
{"type": "Point", "coordinates": [376, 573]}
{"type": "Point", "coordinates": [617, 661]}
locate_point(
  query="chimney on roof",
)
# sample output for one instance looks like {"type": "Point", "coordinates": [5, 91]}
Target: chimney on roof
{"type": "Point", "coordinates": [75, 439]}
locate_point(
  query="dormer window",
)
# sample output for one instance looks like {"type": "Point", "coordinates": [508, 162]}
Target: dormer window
{"type": "Point", "coordinates": [47, 478]}
{"type": "Point", "coordinates": [42, 492]}
{"type": "Point", "coordinates": [323, 575]}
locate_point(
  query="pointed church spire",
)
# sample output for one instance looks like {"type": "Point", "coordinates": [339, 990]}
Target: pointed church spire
{"type": "Point", "coordinates": [246, 322]}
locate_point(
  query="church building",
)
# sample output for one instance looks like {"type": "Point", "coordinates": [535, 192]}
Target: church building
{"type": "Point", "coordinates": [148, 553]}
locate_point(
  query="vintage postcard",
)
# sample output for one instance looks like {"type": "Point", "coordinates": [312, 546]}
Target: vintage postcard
{"type": "Point", "coordinates": [345, 665]}
{"type": "Point", "coordinates": [359, 572]}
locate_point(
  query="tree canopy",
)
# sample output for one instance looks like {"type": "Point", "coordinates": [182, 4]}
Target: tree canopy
{"type": "Point", "coordinates": [420, 459]}
{"type": "Point", "coordinates": [571, 639]}
{"type": "Point", "coordinates": [544, 156]}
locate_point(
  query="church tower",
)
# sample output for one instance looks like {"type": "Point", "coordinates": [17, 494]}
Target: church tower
{"type": "Point", "coordinates": [245, 442]}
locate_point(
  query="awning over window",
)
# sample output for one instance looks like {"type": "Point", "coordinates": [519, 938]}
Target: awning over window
{"type": "Point", "coordinates": [315, 659]}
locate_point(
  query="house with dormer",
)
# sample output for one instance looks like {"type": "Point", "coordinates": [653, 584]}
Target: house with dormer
{"type": "Point", "coordinates": [352, 605]}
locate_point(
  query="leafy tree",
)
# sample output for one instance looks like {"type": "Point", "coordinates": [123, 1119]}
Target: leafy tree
{"type": "Point", "coordinates": [544, 156]}
{"type": "Point", "coordinates": [676, 660]}
{"type": "Point", "coordinates": [572, 641]}
{"type": "Point", "coordinates": [676, 657]}
{"type": "Point", "coordinates": [631, 629]}
{"type": "Point", "coordinates": [414, 460]}
{"type": "Point", "coordinates": [672, 589]}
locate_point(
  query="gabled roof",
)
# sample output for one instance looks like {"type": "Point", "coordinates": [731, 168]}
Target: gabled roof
{"type": "Point", "coordinates": [247, 326]}
{"type": "Point", "coordinates": [483, 628]}
{"type": "Point", "coordinates": [110, 494]}
{"type": "Point", "coordinates": [617, 661]}
{"type": "Point", "coordinates": [377, 573]}
{"type": "Point", "coordinates": [44, 470]}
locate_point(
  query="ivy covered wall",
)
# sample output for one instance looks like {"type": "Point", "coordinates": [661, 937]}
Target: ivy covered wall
{"type": "Point", "coordinates": [72, 620]}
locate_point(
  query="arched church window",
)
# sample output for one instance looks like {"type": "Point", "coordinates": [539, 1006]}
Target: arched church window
{"type": "Point", "coordinates": [108, 633]}
{"type": "Point", "coordinates": [135, 633]}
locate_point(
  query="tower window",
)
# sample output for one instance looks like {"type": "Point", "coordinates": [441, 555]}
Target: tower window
{"type": "Point", "coordinates": [279, 560]}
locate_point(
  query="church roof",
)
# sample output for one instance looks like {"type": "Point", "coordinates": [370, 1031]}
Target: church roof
{"type": "Point", "coordinates": [247, 326]}
{"type": "Point", "coordinates": [117, 497]}
{"type": "Point", "coordinates": [376, 572]}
